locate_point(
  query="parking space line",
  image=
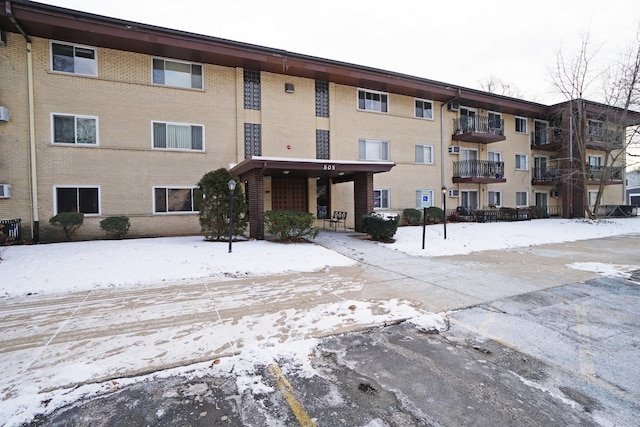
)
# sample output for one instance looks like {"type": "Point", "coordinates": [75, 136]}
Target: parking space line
{"type": "Point", "coordinates": [298, 410]}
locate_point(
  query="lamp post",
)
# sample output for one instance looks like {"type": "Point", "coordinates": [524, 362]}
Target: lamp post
{"type": "Point", "coordinates": [232, 187]}
{"type": "Point", "coordinates": [444, 208]}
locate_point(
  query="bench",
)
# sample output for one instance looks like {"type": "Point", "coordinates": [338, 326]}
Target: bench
{"type": "Point", "coordinates": [337, 218]}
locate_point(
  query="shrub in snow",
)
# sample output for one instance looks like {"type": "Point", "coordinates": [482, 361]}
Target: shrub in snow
{"type": "Point", "coordinates": [290, 225]}
{"type": "Point", "coordinates": [69, 221]}
{"type": "Point", "coordinates": [412, 216]}
{"type": "Point", "coordinates": [212, 202]}
{"type": "Point", "coordinates": [116, 226]}
{"type": "Point", "coordinates": [380, 226]}
{"type": "Point", "coordinates": [435, 215]}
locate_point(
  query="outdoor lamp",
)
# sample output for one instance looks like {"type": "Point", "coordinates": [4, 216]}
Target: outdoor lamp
{"type": "Point", "coordinates": [232, 187]}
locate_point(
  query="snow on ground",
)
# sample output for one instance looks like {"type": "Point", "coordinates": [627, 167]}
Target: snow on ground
{"type": "Point", "coordinates": [28, 381]}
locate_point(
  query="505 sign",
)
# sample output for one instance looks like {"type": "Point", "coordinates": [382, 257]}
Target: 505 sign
{"type": "Point", "coordinates": [328, 167]}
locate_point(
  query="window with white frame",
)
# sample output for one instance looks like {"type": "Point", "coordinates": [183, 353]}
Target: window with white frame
{"type": "Point", "coordinates": [74, 129]}
{"type": "Point", "coordinates": [369, 100]}
{"type": "Point", "coordinates": [174, 200]}
{"type": "Point", "coordinates": [381, 198]}
{"type": "Point", "coordinates": [522, 199]}
{"type": "Point", "coordinates": [424, 153]}
{"type": "Point", "coordinates": [424, 198]}
{"type": "Point", "coordinates": [595, 162]}
{"type": "Point", "coordinates": [469, 199]}
{"type": "Point", "coordinates": [373, 149]}
{"type": "Point", "coordinates": [494, 156]}
{"type": "Point", "coordinates": [522, 162]}
{"type": "Point", "coordinates": [521, 125]}
{"type": "Point", "coordinates": [76, 59]}
{"type": "Point", "coordinates": [424, 109]}
{"type": "Point", "coordinates": [495, 198]}
{"type": "Point", "coordinates": [495, 120]}
{"type": "Point", "coordinates": [85, 199]}
{"type": "Point", "coordinates": [593, 195]}
{"type": "Point", "coordinates": [178, 136]}
{"type": "Point", "coordinates": [177, 74]}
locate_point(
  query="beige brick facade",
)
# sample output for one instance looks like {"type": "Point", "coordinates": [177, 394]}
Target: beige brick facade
{"type": "Point", "coordinates": [126, 168]}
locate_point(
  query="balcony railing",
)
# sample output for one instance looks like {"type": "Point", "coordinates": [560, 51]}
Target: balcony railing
{"type": "Point", "coordinates": [481, 129]}
{"type": "Point", "coordinates": [478, 171]}
{"type": "Point", "coordinates": [546, 137]}
{"type": "Point", "coordinates": [544, 174]}
{"type": "Point", "coordinates": [597, 173]}
{"type": "Point", "coordinates": [604, 138]}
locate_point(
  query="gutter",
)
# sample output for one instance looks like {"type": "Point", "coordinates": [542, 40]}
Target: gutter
{"type": "Point", "coordinates": [35, 220]}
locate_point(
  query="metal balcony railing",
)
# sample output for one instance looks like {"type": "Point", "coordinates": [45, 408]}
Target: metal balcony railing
{"type": "Point", "coordinates": [478, 169]}
{"type": "Point", "coordinates": [610, 138]}
{"type": "Point", "coordinates": [546, 174]}
{"type": "Point", "coordinates": [482, 124]}
{"type": "Point", "coordinates": [597, 173]}
{"type": "Point", "coordinates": [546, 136]}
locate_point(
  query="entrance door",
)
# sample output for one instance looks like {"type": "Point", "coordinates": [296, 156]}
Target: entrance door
{"type": "Point", "coordinates": [542, 201]}
{"type": "Point", "coordinates": [468, 163]}
{"type": "Point", "coordinates": [468, 119]}
{"type": "Point", "coordinates": [289, 194]}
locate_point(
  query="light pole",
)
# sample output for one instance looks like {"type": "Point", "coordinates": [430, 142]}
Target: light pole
{"type": "Point", "coordinates": [444, 208]}
{"type": "Point", "coordinates": [232, 187]}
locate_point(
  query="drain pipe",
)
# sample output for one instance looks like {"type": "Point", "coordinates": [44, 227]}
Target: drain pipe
{"type": "Point", "coordinates": [442, 137]}
{"type": "Point", "coordinates": [35, 221]}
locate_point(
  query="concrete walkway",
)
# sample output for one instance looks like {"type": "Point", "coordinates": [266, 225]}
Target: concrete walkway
{"type": "Point", "coordinates": [60, 341]}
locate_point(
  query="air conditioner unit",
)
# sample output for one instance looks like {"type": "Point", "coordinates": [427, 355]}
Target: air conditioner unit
{"type": "Point", "coordinates": [554, 193]}
{"type": "Point", "coordinates": [454, 149]}
{"type": "Point", "coordinates": [453, 106]}
{"type": "Point", "coordinates": [5, 191]}
{"type": "Point", "coordinates": [454, 193]}
{"type": "Point", "coordinates": [4, 114]}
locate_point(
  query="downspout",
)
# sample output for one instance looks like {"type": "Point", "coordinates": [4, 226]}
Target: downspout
{"type": "Point", "coordinates": [442, 137]}
{"type": "Point", "coordinates": [35, 221]}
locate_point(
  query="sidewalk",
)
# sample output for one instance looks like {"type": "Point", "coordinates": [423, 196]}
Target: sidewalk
{"type": "Point", "coordinates": [50, 342]}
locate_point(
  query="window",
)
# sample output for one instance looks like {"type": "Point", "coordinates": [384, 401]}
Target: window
{"type": "Point", "coordinates": [373, 101]}
{"type": "Point", "coordinates": [175, 136]}
{"type": "Point", "coordinates": [177, 74]}
{"type": "Point", "coordinates": [381, 199]}
{"type": "Point", "coordinates": [424, 154]}
{"type": "Point", "coordinates": [595, 162]}
{"type": "Point", "coordinates": [70, 129]}
{"type": "Point", "coordinates": [174, 199]}
{"type": "Point", "coordinates": [322, 99]}
{"type": "Point", "coordinates": [494, 156]}
{"type": "Point", "coordinates": [593, 195]}
{"type": "Point", "coordinates": [469, 199]}
{"type": "Point", "coordinates": [424, 198]}
{"type": "Point", "coordinates": [522, 199]}
{"type": "Point", "coordinates": [495, 120]}
{"type": "Point", "coordinates": [252, 140]}
{"type": "Point", "coordinates": [251, 90]}
{"type": "Point", "coordinates": [495, 198]}
{"type": "Point", "coordinates": [68, 58]}
{"type": "Point", "coordinates": [540, 132]}
{"type": "Point", "coordinates": [424, 109]}
{"type": "Point", "coordinates": [77, 199]}
{"type": "Point", "coordinates": [521, 125]}
{"type": "Point", "coordinates": [522, 162]}
{"type": "Point", "coordinates": [373, 149]}
{"type": "Point", "coordinates": [322, 144]}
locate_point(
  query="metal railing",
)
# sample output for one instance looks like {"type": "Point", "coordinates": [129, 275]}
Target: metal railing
{"type": "Point", "coordinates": [611, 138]}
{"type": "Point", "coordinates": [546, 136]}
{"type": "Point", "coordinates": [483, 124]}
{"type": "Point", "coordinates": [546, 174]}
{"type": "Point", "coordinates": [597, 173]}
{"type": "Point", "coordinates": [478, 169]}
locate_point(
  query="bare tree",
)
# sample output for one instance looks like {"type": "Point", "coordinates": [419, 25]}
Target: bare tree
{"type": "Point", "coordinates": [611, 121]}
{"type": "Point", "coordinates": [493, 84]}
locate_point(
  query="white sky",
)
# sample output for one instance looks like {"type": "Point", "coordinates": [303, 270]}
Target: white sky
{"type": "Point", "coordinates": [459, 42]}
{"type": "Point", "coordinates": [32, 375]}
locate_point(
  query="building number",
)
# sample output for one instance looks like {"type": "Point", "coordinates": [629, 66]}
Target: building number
{"type": "Point", "coordinates": [329, 167]}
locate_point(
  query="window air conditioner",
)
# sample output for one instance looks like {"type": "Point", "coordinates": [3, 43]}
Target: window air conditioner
{"type": "Point", "coordinates": [5, 191]}
{"type": "Point", "coordinates": [454, 149]}
{"type": "Point", "coordinates": [453, 106]}
{"type": "Point", "coordinates": [4, 114]}
{"type": "Point", "coordinates": [454, 193]}
{"type": "Point", "coordinates": [554, 193]}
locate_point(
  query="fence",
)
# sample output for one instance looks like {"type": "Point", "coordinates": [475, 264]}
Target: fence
{"type": "Point", "coordinates": [9, 230]}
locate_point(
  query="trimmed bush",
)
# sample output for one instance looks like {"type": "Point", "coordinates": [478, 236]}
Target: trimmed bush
{"type": "Point", "coordinates": [435, 215]}
{"type": "Point", "coordinates": [69, 221]}
{"type": "Point", "coordinates": [412, 216]}
{"type": "Point", "coordinates": [538, 212]}
{"type": "Point", "coordinates": [290, 225]}
{"type": "Point", "coordinates": [116, 226]}
{"type": "Point", "coordinates": [212, 202]}
{"type": "Point", "coordinates": [380, 226]}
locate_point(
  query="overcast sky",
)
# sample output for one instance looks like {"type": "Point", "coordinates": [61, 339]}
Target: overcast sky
{"type": "Point", "coordinates": [461, 42]}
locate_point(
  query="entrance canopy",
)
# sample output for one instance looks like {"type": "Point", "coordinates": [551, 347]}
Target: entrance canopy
{"type": "Point", "coordinates": [337, 170]}
{"type": "Point", "coordinates": [254, 169]}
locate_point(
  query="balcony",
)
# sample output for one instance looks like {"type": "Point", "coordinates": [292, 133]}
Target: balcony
{"type": "Point", "coordinates": [613, 174]}
{"type": "Point", "coordinates": [478, 129]}
{"type": "Point", "coordinates": [478, 171]}
{"type": "Point", "coordinates": [546, 176]}
{"type": "Point", "coordinates": [549, 139]}
{"type": "Point", "coordinates": [599, 138]}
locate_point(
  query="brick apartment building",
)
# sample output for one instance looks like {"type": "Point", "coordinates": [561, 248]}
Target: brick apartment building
{"type": "Point", "coordinates": [110, 117]}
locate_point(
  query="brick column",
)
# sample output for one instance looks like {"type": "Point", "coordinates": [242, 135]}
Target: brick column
{"type": "Point", "coordinates": [254, 180]}
{"type": "Point", "coordinates": [362, 197]}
